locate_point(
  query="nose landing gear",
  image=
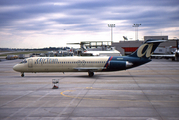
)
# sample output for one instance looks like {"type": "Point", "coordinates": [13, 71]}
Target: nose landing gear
{"type": "Point", "coordinates": [22, 74]}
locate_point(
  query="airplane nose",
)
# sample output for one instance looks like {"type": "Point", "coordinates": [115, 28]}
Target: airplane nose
{"type": "Point", "coordinates": [15, 68]}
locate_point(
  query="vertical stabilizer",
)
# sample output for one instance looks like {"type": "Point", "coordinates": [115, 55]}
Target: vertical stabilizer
{"type": "Point", "coordinates": [147, 48]}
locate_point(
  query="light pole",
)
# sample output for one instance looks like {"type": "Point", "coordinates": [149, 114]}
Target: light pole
{"type": "Point", "coordinates": [111, 25]}
{"type": "Point", "coordinates": [136, 30]}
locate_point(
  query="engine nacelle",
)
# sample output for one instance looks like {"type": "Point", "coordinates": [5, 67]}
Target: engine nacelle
{"type": "Point", "coordinates": [119, 65]}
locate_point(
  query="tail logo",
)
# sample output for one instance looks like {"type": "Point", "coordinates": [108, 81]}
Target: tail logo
{"type": "Point", "coordinates": [141, 53]}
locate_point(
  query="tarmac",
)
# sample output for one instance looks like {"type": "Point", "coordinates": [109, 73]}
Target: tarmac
{"type": "Point", "coordinates": [148, 92]}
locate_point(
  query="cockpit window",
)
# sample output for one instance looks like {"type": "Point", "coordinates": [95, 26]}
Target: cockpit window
{"type": "Point", "coordinates": [24, 61]}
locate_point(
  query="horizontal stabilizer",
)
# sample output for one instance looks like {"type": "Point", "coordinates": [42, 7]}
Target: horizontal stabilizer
{"type": "Point", "coordinates": [154, 41]}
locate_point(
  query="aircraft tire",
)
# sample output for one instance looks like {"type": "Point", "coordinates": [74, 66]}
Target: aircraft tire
{"type": "Point", "coordinates": [22, 74]}
{"type": "Point", "coordinates": [90, 74]}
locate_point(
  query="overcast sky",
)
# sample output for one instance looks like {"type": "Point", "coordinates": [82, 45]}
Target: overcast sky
{"type": "Point", "coordinates": [53, 23]}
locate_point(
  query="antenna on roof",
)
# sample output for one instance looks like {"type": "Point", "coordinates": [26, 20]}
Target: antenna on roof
{"type": "Point", "coordinates": [125, 38]}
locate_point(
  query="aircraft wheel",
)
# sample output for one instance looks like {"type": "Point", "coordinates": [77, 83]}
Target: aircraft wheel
{"type": "Point", "coordinates": [90, 74]}
{"type": "Point", "coordinates": [22, 74]}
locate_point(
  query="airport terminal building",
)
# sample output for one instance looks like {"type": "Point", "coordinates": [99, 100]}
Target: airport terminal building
{"type": "Point", "coordinates": [127, 47]}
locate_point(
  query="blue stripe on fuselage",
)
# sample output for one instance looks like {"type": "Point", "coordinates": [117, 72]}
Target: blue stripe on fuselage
{"type": "Point", "coordinates": [106, 65]}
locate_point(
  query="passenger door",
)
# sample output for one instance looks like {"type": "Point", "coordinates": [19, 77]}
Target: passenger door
{"type": "Point", "coordinates": [30, 63]}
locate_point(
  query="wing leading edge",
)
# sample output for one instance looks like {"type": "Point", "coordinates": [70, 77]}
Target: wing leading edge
{"type": "Point", "coordinates": [92, 69]}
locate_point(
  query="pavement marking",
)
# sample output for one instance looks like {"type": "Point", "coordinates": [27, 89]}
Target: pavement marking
{"type": "Point", "coordinates": [74, 98]}
{"type": "Point", "coordinates": [70, 96]}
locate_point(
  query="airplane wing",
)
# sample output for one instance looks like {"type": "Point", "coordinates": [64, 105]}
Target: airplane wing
{"type": "Point", "coordinates": [92, 69]}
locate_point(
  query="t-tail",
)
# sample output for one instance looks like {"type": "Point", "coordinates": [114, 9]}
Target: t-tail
{"type": "Point", "coordinates": [147, 48]}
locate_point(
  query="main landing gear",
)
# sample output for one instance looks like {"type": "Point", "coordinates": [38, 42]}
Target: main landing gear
{"type": "Point", "coordinates": [22, 74]}
{"type": "Point", "coordinates": [90, 74]}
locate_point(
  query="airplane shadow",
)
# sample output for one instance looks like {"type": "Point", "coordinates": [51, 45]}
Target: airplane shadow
{"type": "Point", "coordinates": [78, 76]}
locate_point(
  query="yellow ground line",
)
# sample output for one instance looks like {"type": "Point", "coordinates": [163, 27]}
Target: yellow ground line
{"type": "Point", "coordinates": [62, 93]}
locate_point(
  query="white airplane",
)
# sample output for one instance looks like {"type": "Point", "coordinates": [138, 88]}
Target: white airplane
{"type": "Point", "coordinates": [89, 64]}
{"type": "Point", "coordinates": [102, 53]}
{"type": "Point", "coordinates": [100, 49]}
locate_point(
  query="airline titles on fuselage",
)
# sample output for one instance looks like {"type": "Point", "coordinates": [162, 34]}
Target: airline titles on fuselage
{"type": "Point", "coordinates": [57, 61]}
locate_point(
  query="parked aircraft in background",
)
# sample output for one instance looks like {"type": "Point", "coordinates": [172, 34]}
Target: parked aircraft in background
{"type": "Point", "coordinates": [89, 64]}
{"type": "Point", "coordinates": [97, 48]}
{"type": "Point", "coordinates": [111, 52]}
{"type": "Point", "coordinates": [167, 53]}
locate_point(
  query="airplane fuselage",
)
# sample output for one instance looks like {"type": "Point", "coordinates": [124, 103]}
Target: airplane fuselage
{"type": "Point", "coordinates": [78, 64]}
